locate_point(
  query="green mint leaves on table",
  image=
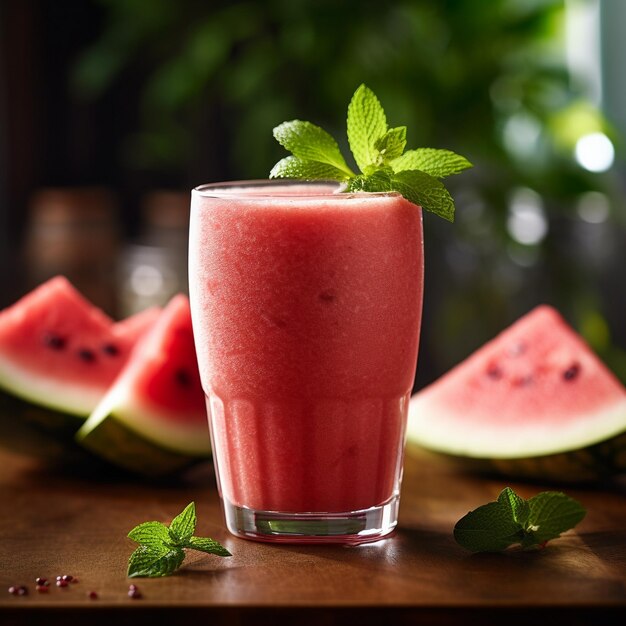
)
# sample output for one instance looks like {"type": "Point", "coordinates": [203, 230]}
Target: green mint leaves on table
{"type": "Point", "coordinates": [511, 520]}
{"type": "Point", "coordinates": [161, 549]}
{"type": "Point", "coordinates": [378, 152]}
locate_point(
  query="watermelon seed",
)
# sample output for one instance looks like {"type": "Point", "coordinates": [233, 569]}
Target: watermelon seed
{"type": "Point", "coordinates": [571, 372]}
{"type": "Point", "coordinates": [62, 583]}
{"type": "Point", "coordinates": [42, 581]}
{"type": "Point", "coordinates": [182, 377]}
{"type": "Point", "coordinates": [110, 349]}
{"type": "Point", "coordinates": [86, 355]}
{"type": "Point", "coordinates": [494, 372]}
{"type": "Point", "coordinates": [53, 341]}
{"type": "Point", "coordinates": [21, 591]}
{"type": "Point", "coordinates": [135, 594]}
{"type": "Point", "coordinates": [13, 590]}
{"type": "Point", "coordinates": [67, 578]}
{"type": "Point", "coordinates": [93, 595]}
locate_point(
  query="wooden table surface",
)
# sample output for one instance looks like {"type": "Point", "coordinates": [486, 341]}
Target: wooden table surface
{"type": "Point", "coordinates": [75, 521]}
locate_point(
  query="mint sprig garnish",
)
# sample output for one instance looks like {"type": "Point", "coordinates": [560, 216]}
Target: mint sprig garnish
{"type": "Point", "coordinates": [378, 152]}
{"type": "Point", "coordinates": [161, 548]}
{"type": "Point", "coordinates": [512, 520]}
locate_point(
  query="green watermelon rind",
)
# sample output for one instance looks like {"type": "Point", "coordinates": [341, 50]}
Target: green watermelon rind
{"type": "Point", "coordinates": [595, 449]}
{"type": "Point", "coordinates": [137, 437]}
{"type": "Point", "coordinates": [149, 422]}
{"type": "Point", "coordinates": [449, 436]}
{"type": "Point", "coordinates": [113, 439]}
{"type": "Point", "coordinates": [599, 461]}
{"type": "Point", "coordinates": [44, 391]}
{"type": "Point", "coordinates": [36, 430]}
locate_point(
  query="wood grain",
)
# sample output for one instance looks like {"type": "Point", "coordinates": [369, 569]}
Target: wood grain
{"type": "Point", "coordinates": [75, 521]}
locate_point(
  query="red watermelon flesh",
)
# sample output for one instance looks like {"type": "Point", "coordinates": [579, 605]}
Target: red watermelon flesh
{"type": "Point", "coordinates": [537, 388]}
{"type": "Point", "coordinates": [134, 326]}
{"type": "Point", "coordinates": [59, 351]}
{"type": "Point", "coordinates": [157, 397]}
{"type": "Point", "coordinates": [164, 371]}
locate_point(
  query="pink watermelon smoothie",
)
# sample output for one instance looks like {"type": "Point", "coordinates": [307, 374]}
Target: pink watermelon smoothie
{"type": "Point", "coordinates": [306, 308]}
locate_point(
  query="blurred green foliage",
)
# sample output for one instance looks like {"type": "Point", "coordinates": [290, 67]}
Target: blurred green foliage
{"type": "Point", "coordinates": [485, 79]}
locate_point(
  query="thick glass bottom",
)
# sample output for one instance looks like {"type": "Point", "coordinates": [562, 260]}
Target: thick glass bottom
{"type": "Point", "coordinates": [352, 527]}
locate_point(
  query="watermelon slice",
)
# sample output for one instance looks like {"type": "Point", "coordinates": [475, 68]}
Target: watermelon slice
{"type": "Point", "coordinates": [153, 420]}
{"type": "Point", "coordinates": [535, 402]}
{"type": "Point", "coordinates": [58, 356]}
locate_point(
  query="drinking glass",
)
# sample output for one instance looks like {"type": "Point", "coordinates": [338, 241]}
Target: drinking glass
{"type": "Point", "coordinates": [306, 307]}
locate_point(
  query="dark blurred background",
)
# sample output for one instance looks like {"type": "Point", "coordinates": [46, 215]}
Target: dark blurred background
{"type": "Point", "coordinates": [111, 110]}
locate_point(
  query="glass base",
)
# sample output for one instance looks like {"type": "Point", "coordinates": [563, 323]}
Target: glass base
{"type": "Point", "coordinates": [352, 528]}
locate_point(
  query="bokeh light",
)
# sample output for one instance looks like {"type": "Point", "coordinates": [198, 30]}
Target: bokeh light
{"type": "Point", "coordinates": [526, 222]}
{"type": "Point", "coordinates": [595, 152]}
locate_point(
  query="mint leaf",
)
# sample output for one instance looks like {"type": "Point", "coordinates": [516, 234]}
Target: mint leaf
{"type": "Point", "coordinates": [517, 506]}
{"type": "Point", "coordinates": [366, 124]}
{"type": "Point", "coordinates": [437, 163]}
{"type": "Point", "coordinates": [512, 520]}
{"type": "Point", "coordinates": [161, 552]}
{"type": "Point", "coordinates": [379, 153]}
{"type": "Point", "coordinates": [294, 167]}
{"type": "Point", "coordinates": [391, 145]}
{"type": "Point", "coordinates": [417, 187]}
{"type": "Point", "coordinates": [379, 181]}
{"type": "Point", "coordinates": [184, 524]}
{"type": "Point", "coordinates": [311, 143]}
{"type": "Point", "coordinates": [150, 534]}
{"type": "Point", "coordinates": [489, 528]}
{"type": "Point", "coordinates": [426, 191]}
{"type": "Point", "coordinates": [153, 562]}
{"type": "Point", "coordinates": [208, 545]}
{"type": "Point", "coordinates": [552, 513]}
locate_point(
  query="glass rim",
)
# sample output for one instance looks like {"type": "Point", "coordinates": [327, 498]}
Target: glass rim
{"type": "Point", "coordinates": [229, 189]}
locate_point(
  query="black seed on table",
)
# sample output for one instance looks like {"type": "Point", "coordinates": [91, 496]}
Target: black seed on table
{"type": "Point", "coordinates": [67, 578]}
{"type": "Point", "coordinates": [571, 372]}
{"type": "Point", "coordinates": [54, 341]}
{"type": "Point", "coordinates": [41, 581]}
{"type": "Point", "coordinates": [111, 349]}
{"type": "Point", "coordinates": [93, 595]}
{"type": "Point", "coordinates": [62, 583]}
{"type": "Point", "coordinates": [13, 590]}
{"type": "Point", "coordinates": [22, 590]}
{"type": "Point", "coordinates": [135, 594]}
{"type": "Point", "coordinates": [87, 355]}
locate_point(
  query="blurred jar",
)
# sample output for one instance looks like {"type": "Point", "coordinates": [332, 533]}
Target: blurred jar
{"type": "Point", "coordinates": [74, 232]}
{"type": "Point", "coordinates": [154, 268]}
